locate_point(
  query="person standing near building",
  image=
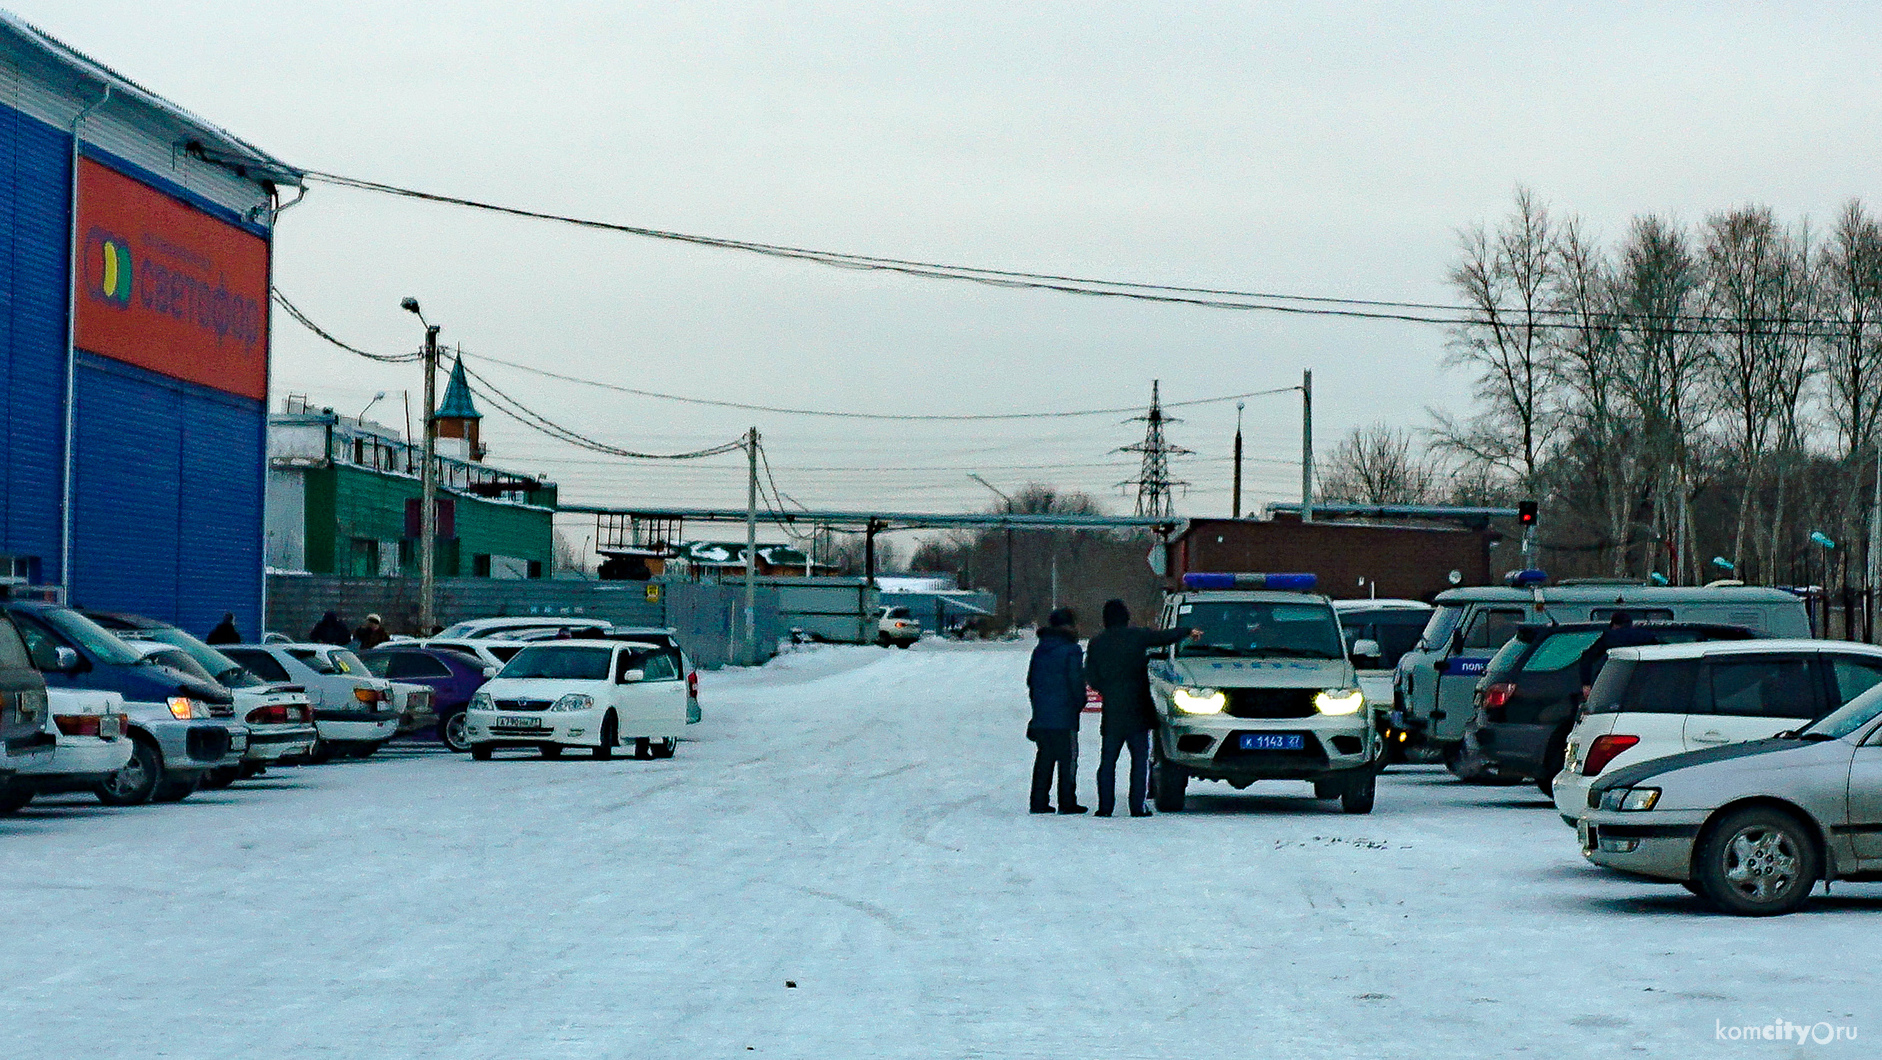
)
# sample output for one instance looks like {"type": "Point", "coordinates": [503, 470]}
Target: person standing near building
{"type": "Point", "coordinates": [225, 631]}
{"type": "Point", "coordinates": [372, 634]}
{"type": "Point", "coordinates": [1055, 682]}
{"type": "Point", "coordinates": [329, 630]}
{"type": "Point", "coordinates": [1117, 665]}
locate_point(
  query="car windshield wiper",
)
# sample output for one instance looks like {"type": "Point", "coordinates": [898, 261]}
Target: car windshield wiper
{"type": "Point", "coordinates": [1815, 737]}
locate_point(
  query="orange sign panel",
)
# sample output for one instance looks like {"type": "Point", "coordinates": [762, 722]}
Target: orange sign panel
{"type": "Point", "coordinates": [167, 287]}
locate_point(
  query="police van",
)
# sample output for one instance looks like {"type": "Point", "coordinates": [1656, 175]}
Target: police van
{"type": "Point", "coordinates": [1436, 681]}
{"type": "Point", "coordinates": [1266, 693]}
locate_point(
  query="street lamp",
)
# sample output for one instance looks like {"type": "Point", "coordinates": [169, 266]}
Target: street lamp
{"type": "Point", "coordinates": [1822, 540]}
{"type": "Point", "coordinates": [376, 399]}
{"type": "Point", "coordinates": [428, 491]}
{"type": "Point", "coordinates": [1008, 598]}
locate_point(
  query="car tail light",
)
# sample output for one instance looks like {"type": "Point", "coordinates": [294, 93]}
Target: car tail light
{"type": "Point", "coordinates": [79, 724]}
{"type": "Point", "coordinates": [368, 695]}
{"type": "Point", "coordinates": [692, 684]}
{"type": "Point", "coordinates": [1603, 750]}
{"type": "Point", "coordinates": [278, 714]}
{"type": "Point", "coordinates": [1493, 698]}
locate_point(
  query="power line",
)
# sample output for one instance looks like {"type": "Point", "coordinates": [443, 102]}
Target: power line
{"type": "Point", "coordinates": [529, 417]}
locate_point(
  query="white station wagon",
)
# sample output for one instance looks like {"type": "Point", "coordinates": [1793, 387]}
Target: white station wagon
{"type": "Point", "coordinates": [598, 694]}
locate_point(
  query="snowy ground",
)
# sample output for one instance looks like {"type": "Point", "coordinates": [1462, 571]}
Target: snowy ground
{"type": "Point", "coordinates": [852, 820]}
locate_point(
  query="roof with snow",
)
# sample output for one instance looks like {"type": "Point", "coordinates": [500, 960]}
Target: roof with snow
{"type": "Point", "coordinates": [457, 403]}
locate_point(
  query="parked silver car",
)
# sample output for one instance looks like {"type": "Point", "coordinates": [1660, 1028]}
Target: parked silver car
{"type": "Point", "coordinates": [1750, 827]}
{"type": "Point", "coordinates": [353, 710]}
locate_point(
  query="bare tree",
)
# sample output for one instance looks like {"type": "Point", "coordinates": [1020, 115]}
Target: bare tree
{"type": "Point", "coordinates": [1850, 353]}
{"type": "Point", "coordinates": [1378, 464]}
{"type": "Point", "coordinates": [1586, 369]}
{"type": "Point", "coordinates": [1503, 280]}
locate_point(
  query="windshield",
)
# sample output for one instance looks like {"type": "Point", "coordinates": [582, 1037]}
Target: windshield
{"type": "Point", "coordinates": [1849, 717]}
{"type": "Point", "coordinates": [179, 660]}
{"type": "Point", "coordinates": [1248, 628]}
{"type": "Point", "coordinates": [1437, 634]}
{"type": "Point", "coordinates": [564, 662]}
{"type": "Point", "coordinates": [91, 636]}
{"type": "Point", "coordinates": [224, 670]}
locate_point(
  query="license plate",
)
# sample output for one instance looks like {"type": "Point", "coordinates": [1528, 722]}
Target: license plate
{"type": "Point", "coordinates": [504, 722]}
{"type": "Point", "coordinates": [1273, 741]}
{"type": "Point", "coordinates": [110, 727]}
{"type": "Point", "coordinates": [238, 742]}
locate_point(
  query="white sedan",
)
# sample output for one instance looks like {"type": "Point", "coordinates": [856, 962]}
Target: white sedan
{"type": "Point", "coordinates": [598, 694]}
{"type": "Point", "coordinates": [82, 746]}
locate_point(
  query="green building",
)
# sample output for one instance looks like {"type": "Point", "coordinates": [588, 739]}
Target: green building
{"type": "Point", "coordinates": [344, 498]}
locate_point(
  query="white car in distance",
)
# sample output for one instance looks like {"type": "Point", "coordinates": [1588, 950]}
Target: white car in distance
{"type": "Point", "coordinates": [597, 694]}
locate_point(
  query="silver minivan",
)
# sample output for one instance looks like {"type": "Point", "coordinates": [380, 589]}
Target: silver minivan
{"type": "Point", "coordinates": [1435, 681]}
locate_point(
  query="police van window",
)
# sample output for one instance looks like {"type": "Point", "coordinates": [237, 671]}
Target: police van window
{"type": "Point", "coordinates": [1437, 634]}
{"type": "Point", "coordinates": [1762, 688]}
{"type": "Point", "coordinates": [1638, 614]}
{"type": "Point", "coordinates": [1560, 651]}
{"type": "Point", "coordinates": [1490, 629]}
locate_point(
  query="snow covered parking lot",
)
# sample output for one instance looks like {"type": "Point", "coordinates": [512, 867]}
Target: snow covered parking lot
{"type": "Point", "coordinates": [853, 821]}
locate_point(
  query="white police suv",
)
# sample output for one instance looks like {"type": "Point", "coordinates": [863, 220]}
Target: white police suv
{"type": "Point", "coordinates": [1266, 693]}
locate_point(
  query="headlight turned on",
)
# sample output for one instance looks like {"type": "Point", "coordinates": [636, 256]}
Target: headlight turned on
{"type": "Point", "coordinates": [1200, 700]}
{"type": "Point", "coordinates": [1630, 798]}
{"type": "Point", "coordinates": [574, 701]}
{"type": "Point", "coordinates": [184, 709]}
{"type": "Point", "coordinates": [1339, 701]}
{"type": "Point", "coordinates": [482, 701]}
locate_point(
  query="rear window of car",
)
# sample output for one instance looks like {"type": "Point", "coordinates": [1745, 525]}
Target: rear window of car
{"type": "Point", "coordinates": [1560, 651]}
{"type": "Point", "coordinates": [1652, 687]}
{"type": "Point", "coordinates": [260, 663]}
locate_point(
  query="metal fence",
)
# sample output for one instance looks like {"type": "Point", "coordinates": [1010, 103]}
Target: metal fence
{"type": "Point", "coordinates": [710, 618]}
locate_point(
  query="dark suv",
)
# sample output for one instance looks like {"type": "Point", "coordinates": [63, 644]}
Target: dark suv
{"type": "Point", "coordinates": [1532, 690]}
{"type": "Point", "coordinates": [22, 701]}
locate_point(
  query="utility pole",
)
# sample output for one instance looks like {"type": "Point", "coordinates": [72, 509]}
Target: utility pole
{"type": "Point", "coordinates": [1235, 504]}
{"type": "Point", "coordinates": [1154, 486]}
{"type": "Point", "coordinates": [751, 548]}
{"type": "Point", "coordinates": [1306, 445]}
{"type": "Point", "coordinates": [1007, 602]}
{"type": "Point", "coordinates": [428, 479]}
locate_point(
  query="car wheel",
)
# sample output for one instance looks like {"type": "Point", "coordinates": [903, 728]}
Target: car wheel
{"type": "Point", "coordinates": [222, 777]}
{"type": "Point", "coordinates": [903, 643]}
{"type": "Point", "coordinates": [1361, 788]}
{"type": "Point", "coordinates": [13, 800]}
{"type": "Point", "coordinates": [882, 640]}
{"type": "Point", "coordinates": [551, 750]}
{"type": "Point", "coordinates": [1552, 761]}
{"type": "Point", "coordinates": [322, 752]}
{"type": "Point", "coordinates": [481, 752]}
{"type": "Point", "coordinates": [610, 736]}
{"type": "Point", "coordinates": [173, 790]}
{"type": "Point", "coordinates": [1328, 789]}
{"type": "Point", "coordinates": [665, 748]}
{"type": "Point", "coordinates": [1171, 782]}
{"type": "Point", "coordinates": [643, 747]}
{"type": "Point", "coordinates": [366, 750]}
{"type": "Point", "coordinates": [451, 732]}
{"type": "Point", "coordinates": [1757, 862]}
{"type": "Point", "coordinates": [133, 784]}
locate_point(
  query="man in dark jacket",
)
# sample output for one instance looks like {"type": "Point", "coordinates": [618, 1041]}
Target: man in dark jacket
{"type": "Point", "coordinates": [1117, 665]}
{"type": "Point", "coordinates": [372, 634]}
{"type": "Point", "coordinates": [225, 631]}
{"type": "Point", "coordinates": [330, 630]}
{"type": "Point", "coordinates": [1056, 684]}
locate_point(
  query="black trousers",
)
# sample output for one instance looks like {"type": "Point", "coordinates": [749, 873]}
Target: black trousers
{"type": "Point", "coordinates": [1057, 750]}
{"type": "Point", "coordinates": [1114, 742]}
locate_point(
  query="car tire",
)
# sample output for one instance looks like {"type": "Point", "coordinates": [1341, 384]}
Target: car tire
{"type": "Point", "coordinates": [134, 784]}
{"type": "Point", "coordinates": [452, 734]}
{"type": "Point", "coordinates": [551, 750]}
{"type": "Point", "coordinates": [1328, 789]}
{"type": "Point", "coordinates": [665, 748]}
{"type": "Point", "coordinates": [221, 777]}
{"type": "Point", "coordinates": [643, 748]}
{"type": "Point", "coordinates": [322, 752]}
{"type": "Point", "coordinates": [14, 799]}
{"type": "Point", "coordinates": [1172, 784]}
{"type": "Point", "coordinates": [1758, 861]}
{"type": "Point", "coordinates": [173, 790]}
{"type": "Point", "coordinates": [903, 644]}
{"type": "Point", "coordinates": [366, 750]}
{"type": "Point", "coordinates": [882, 640]}
{"type": "Point", "coordinates": [1552, 760]}
{"type": "Point", "coordinates": [1361, 789]}
{"type": "Point", "coordinates": [481, 752]}
{"type": "Point", "coordinates": [610, 736]}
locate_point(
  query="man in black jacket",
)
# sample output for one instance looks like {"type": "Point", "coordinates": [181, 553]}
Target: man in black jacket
{"type": "Point", "coordinates": [330, 630]}
{"type": "Point", "coordinates": [1117, 665]}
{"type": "Point", "coordinates": [1055, 682]}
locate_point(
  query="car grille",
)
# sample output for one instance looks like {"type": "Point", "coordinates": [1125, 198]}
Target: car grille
{"type": "Point", "coordinates": [523, 704]}
{"type": "Point", "coordinates": [501, 732]}
{"type": "Point", "coordinates": [1270, 702]}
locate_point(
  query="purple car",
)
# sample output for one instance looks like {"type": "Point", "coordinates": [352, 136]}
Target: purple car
{"type": "Point", "coordinates": [452, 676]}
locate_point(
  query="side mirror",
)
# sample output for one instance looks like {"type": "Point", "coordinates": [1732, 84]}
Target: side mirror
{"type": "Point", "coordinates": [1457, 641]}
{"type": "Point", "coordinates": [630, 677]}
{"type": "Point", "coordinates": [491, 671]}
{"type": "Point", "coordinates": [1366, 649]}
{"type": "Point", "coordinates": [65, 660]}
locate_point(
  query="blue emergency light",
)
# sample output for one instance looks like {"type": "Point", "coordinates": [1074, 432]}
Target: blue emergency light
{"type": "Point", "coordinates": [1280, 582]}
{"type": "Point", "coordinates": [1523, 579]}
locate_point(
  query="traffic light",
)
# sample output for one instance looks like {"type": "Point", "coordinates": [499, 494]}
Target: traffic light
{"type": "Point", "coordinates": [1526, 512]}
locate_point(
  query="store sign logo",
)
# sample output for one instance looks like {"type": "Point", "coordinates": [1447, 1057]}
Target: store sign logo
{"type": "Point", "coordinates": [109, 258]}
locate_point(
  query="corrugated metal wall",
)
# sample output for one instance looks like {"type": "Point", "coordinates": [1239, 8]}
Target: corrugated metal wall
{"type": "Point", "coordinates": [35, 175]}
{"type": "Point", "coordinates": [169, 489]}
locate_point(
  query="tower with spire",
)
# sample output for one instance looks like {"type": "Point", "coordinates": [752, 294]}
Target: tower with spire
{"type": "Point", "coordinates": [457, 417]}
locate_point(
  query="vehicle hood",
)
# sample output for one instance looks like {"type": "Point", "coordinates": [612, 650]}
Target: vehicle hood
{"type": "Point", "coordinates": [1738, 759]}
{"type": "Point", "coordinates": [549, 688]}
{"type": "Point", "coordinates": [1261, 673]}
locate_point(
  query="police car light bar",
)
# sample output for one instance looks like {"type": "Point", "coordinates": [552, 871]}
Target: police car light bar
{"type": "Point", "coordinates": [1282, 582]}
{"type": "Point", "coordinates": [1523, 579]}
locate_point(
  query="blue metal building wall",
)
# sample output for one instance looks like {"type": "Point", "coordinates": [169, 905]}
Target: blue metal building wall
{"type": "Point", "coordinates": [35, 204]}
{"type": "Point", "coordinates": [169, 493]}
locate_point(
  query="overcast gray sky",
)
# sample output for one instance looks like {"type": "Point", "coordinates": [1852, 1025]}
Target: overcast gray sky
{"type": "Point", "coordinates": [1315, 148]}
